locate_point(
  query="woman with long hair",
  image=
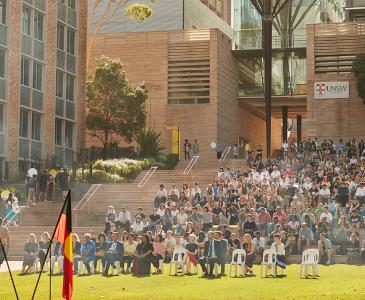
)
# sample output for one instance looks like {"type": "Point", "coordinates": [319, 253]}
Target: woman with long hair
{"type": "Point", "coordinates": [76, 252]}
{"type": "Point", "coordinates": [249, 247]}
{"type": "Point", "coordinates": [43, 246]}
{"type": "Point", "coordinates": [31, 253]}
{"type": "Point", "coordinates": [142, 264]}
{"type": "Point", "coordinates": [158, 253]}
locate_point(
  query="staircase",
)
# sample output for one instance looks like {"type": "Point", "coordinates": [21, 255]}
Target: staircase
{"type": "Point", "coordinates": [43, 216]}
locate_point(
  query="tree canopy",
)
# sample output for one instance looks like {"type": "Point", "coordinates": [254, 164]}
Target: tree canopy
{"type": "Point", "coordinates": [115, 107]}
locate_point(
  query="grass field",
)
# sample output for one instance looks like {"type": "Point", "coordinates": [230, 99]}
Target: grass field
{"type": "Point", "coordinates": [335, 282]}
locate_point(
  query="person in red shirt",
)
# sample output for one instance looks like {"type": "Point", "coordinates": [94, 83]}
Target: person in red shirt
{"type": "Point", "coordinates": [282, 217]}
{"type": "Point", "coordinates": [264, 219]}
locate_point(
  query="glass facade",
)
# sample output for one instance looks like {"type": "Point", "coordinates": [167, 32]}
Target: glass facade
{"type": "Point", "coordinates": [289, 73]}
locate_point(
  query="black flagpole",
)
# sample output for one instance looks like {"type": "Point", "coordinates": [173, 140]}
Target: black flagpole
{"type": "Point", "coordinates": [50, 271]}
{"type": "Point", "coordinates": [11, 275]}
{"type": "Point", "coordinates": [48, 250]}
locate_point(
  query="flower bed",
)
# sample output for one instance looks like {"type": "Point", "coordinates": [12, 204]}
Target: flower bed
{"type": "Point", "coordinates": [113, 170]}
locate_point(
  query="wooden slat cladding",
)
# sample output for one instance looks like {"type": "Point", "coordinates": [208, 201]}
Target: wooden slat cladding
{"type": "Point", "coordinates": [189, 67]}
{"type": "Point", "coordinates": [336, 46]}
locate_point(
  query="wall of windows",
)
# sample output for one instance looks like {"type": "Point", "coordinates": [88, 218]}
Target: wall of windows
{"type": "Point", "coordinates": [32, 80]}
{"type": "Point", "coordinates": [66, 82]}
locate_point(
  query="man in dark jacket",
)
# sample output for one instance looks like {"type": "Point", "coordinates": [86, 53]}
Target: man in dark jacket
{"type": "Point", "coordinates": [212, 253]}
{"type": "Point", "coordinates": [114, 253]}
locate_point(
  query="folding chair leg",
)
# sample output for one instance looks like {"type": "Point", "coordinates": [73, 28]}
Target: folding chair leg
{"type": "Point", "coordinates": [230, 270]}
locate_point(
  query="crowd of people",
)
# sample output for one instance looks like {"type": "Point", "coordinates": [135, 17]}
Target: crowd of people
{"type": "Point", "coordinates": [312, 196]}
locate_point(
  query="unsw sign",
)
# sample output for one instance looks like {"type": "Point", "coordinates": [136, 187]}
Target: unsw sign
{"type": "Point", "coordinates": [332, 90]}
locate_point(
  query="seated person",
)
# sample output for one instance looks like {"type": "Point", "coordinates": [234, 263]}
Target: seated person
{"type": "Point", "coordinates": [110, 218]}
{"type": "Point", "coordinates": [138, 225]}
{"type": "Point", "coordinates": [88, 252]}
{"type": "Point", "coordinates": [233, 244]}
{"type": "Point", "coordinates": [249, 226]}
{"type": "Point", "coordinates": [161, 196]}
{"type": "Point", "coordinates": [101, 246]}
{"type": "Point", "coordinates": [158, 253]}
{"type": "Point", "coordinates": [142, 264]}
{"type": "Point", "coordinates": [43, 247]}
{"type": "Point", "coordinates": [57, 256]}
{"type": "Point", "coordinates": [129, 254]}
{"type": "Point", "coordinates": [212, 250]}
{"type": "Point", "coordinates": [305, 237]}
{"type": "Point", "coordinates": [249, 247]}
{"type": "Point", "coordinates": [325, 249]}
{"type": "Point", "coordinates": [355, 219]}
{"type": "Point", "coordinates": [181, 219]}
{"type": "Point", "coordinates": [279, 248]}
{"type": "Point", "coordinates": [191, 253]}
{"type": "Point", "coordinates": [170, 244]}
{"type": "Point", "coordinates": [76, 252]}
{"type": "Point", "coordinates": [31, 248]}
{"type": "Point", "coordinates": [113, 253]}
{"type": "Point", "coordinates": [259, 242]}
{"type": "Point", "coordinates": [353, 251]}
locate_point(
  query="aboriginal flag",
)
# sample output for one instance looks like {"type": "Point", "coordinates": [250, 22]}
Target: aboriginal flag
{"type": "Point", "coordinates": [64, 236]}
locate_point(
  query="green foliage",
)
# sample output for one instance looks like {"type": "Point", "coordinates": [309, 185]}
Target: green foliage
{"type": "Point", "coordinates": [113, 171]}
{"type": "Point", "coordinates": [115, 107]}
{"type": "Point", "coordinates": [138, 11]}
{"type": "Point", "coordinates": [148, 143]}
{"type": "Point", "coordinates": [359, 71]}
{"type": "Point", "coordinates": [166, 162]}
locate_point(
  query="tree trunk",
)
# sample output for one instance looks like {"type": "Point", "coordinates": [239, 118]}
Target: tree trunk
{"type": "Point", "coordinates": [105, 144]}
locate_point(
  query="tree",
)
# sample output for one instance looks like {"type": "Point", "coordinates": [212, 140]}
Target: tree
{"type": "Point", "coordinates": [149, 143]}
{"type": "Point", "coordinates": [115, 107]}
{"type": "Point", "coordinates": [359, 71]}
{"type": "Point", "coordinates": [136, 11]}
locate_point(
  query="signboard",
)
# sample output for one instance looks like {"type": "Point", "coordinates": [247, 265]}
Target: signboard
{"type": "Point", "coordinates": [332, 90]}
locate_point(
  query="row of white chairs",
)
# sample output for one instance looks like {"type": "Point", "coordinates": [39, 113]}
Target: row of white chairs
{"type": "Point", "coordinates": [310, 258]}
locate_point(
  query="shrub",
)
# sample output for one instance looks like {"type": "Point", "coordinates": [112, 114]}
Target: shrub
{"type": "Point", "coordinates": [20, 195]}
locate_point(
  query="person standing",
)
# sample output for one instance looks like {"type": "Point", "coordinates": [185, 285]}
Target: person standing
{"type": "Point", "coordinates": [43, 186]}
{"type": "Point", "coordinates": [64, 179]}
{"type": "Point", "coordinates": [219, 151]}
{"type": "Point", "coordinates": [235, 151]}
{"type": "Point", "coordinates": [196, 148]}
{"type": "Point", "coordinates": [187, 147]}
{"type": "Point", "coordinates": [31, 190]}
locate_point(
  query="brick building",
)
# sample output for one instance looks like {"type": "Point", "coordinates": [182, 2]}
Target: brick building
{"type": "Point", "coordinates": [42, 82]}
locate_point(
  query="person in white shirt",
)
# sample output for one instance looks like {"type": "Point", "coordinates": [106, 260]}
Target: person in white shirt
{"type": "Point", "coordinates": [326, 214]}
{"type": "Point", "coordinates": [170, 244]}
{"type": "Point", "coordinates": [324, 193]}
{"type": "Point", "coordinates": [161, 210]}
{"type": "Point", "coordinates": [124, 219]}
{"type": "Point", "coordinates": [279, 248]}
{"type": "Point", "coordinates": [161, 196]}
{"type": "Point", "coordinates": [235, 151]}
{"type": "Point", "coordinates": [181, 220]}
{"type": "Point", "coordinates": [259, 243]}
{"type": "Point", "coordinates": [196, 190]}
{"type": "Point", "coordinates": [138, 225]}
{"type": "Point", "coordinates": [275, 173]}
{"type": "Point", "coordinates": [360, 193]}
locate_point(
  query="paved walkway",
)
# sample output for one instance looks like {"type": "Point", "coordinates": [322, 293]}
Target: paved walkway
{"type": "Point", "coordinates": [14, 266]}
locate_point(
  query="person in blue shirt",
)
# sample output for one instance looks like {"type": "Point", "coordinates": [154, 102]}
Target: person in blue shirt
{"type": "Point", "coordinates": [88, 252]}
{"type": "Point", "coordinates": [114, 253]}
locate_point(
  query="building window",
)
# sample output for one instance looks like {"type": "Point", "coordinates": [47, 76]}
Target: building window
{"type": "Point", "coordinates": [26, 20]}
{"type": "Point", "coordinates": [2, 63]}
{"type": "Point", "coordinates": [23, 128]}
{"type": "Point", "coordinates": [1, 118]}
{"type": "Point", "coordinates": [59, 84]}
{"type": "Point", "coordinates": [37, 76]}
{"type": "Point", "coordinates": [38, 26]}
{"type": "Point", "coordinates": [60, 37]}
{"type": "Point", "coordinates": [25, 71]}
{"type": "Point", "coordinates": [36, 126]}
{"type": "Point", "coordinates": [71, 41]}
{"type": "Point", "coordinates": [72, 4]}
{"type": "Point", "coordinates": [69, 134]}
{"type": "Point", "coordinates": [70, 87]}
{"type": "Point", "coordinates": [58, 132]}
{"type": "Point", "coordinates": [3, 12]}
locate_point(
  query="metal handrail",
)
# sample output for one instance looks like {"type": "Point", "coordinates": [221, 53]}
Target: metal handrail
{"type": "Point", "coordinates": [12, 218]}
{"type": "Point", "coordinates": [147, 177]}
{"type": "Point", "coordinates": [225, 153]}
{"type": "Point", "coordinates": [191, 164]}
{"type": "Point", "coordinates": [87, 197]}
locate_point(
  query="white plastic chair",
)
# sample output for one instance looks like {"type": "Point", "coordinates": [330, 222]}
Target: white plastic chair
{"type": "Point", "coordinates": [99, 266]}
{"type": "Point", "coordinates": [59, 261]}
{"type": "Point", "coordinates": [240, 261]}
{"type": "Point", "coordinates": [37, 266]}
{"type": "Point", "coordinates": [310, 258]}
{"type": "Point", "coordinates": [178, 259]}
{"type": "Point", "coordinates": [82, 269]}
{"type": "Point", "coordinates": [268, 260]}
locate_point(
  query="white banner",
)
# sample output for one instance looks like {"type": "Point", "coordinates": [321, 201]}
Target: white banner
{"type": "Point", "coordinates": [332, 90]}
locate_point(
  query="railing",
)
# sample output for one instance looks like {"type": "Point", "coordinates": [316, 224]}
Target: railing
{"type": "Point", "coordinates": [147, 177]}
{"type": "Point", "coordinates": [85, 200]}
{"type": "Point", "coordinates": [224, 154]}
{"type": "Point", "coordinates": [191, 164]}
{"type": "Point", "coordinates": [7, 221]}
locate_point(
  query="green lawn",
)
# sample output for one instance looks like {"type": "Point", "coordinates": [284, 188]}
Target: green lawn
{"type": "Point", "coordinates": [335, 282]}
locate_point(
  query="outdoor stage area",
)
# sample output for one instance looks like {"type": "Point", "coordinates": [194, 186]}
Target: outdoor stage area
{"type": "Point", "coordinates": [335, 282]}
